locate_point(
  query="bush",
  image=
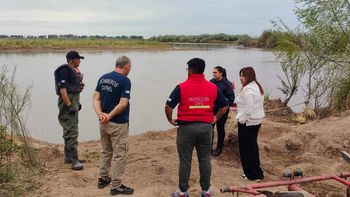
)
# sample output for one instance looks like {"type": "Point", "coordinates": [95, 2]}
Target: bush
{"type": "Point", "coordinates": [16, 152]}
{"type": "Point", "coordinates": [341, 99]}
{"type": "Point", "coordinates": [244, 40]}
{"type": "Point", "coordinates": [6, 174]}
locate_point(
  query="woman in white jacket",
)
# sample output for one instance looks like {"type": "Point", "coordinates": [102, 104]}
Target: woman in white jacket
{"type": "Point", "coordinates": [250, 112]}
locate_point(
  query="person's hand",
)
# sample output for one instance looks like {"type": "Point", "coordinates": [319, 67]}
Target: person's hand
{"type": "Point", "coordinates": [104, 117]}
{"type": "Point", "coordinates": [80, 107]}
{"type": "Point", "coordinates": [71, 110]}
{"type": "Point", "coordinates": [101, 118]}
{"type": "Point", "coordinates": [214, 121]}
{"type": "Point", "coordinates": [173, 122]}
{"type": "Point", "coordinates": [242, 122]}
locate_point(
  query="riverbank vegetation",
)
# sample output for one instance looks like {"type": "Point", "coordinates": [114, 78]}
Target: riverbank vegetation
{"type": "Point", "coordinates": [18, 162]}
{"type": "Point", "coordinates": [318, 52]}
{"type": "Point", "coordinates": [268, 39]}
{"type": "Point", "coordinates": [19, 43]}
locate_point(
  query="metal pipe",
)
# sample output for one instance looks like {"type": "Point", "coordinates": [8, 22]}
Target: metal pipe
{"type": "Point", "coordinates": [298, 181]}
{"type": "Point", "coordinates": [287, 182]}
{"type": "Point", "coordinates": [237, 189]}
{"type": "Point", "coordinates": [342, 180]}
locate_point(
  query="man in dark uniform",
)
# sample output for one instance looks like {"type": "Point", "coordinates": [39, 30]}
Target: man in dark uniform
{"type": "Point", "coordinates": [68, 82]}
{"type": "Point", "coordinates": [196, 98]}
{"type": "Point", "coordinates": [111, 104]}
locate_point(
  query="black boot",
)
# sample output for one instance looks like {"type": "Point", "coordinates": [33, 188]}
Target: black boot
{"type": "Point", "coordinates": [66, 156]}
{"type": "Point", "coordinates": [76, 165]}
{"type": "Point", "coordinates": [217, 152]}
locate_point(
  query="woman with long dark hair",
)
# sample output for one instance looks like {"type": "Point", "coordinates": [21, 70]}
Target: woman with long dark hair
{"type": "Point", "coordinates": [250, 113]}
{"type": "Point", "coordinates": [225, 86]}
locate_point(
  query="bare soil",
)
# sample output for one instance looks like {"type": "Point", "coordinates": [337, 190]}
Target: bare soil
{"type": "Point", "coordinates": [152, 165]}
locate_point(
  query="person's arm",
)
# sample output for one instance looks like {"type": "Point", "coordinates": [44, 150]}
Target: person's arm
{"type": "Point", "coordinates": [96, 102]}
{"type": "Point", "coordinates": [169, 115]}
{"type": "Point", "coordinates": [222, 103]}
{"type": "Point", "coordinates": [230, 93]}
{"type": "Point", "coordinates": [63, 77]}
{"type": "Point", "coordinates": [220, 113]}
{"type": "Point", "coordinates": [65, 98]}
{"type": "Point", "coordinates": [123, 103]}
{"type": "Point", "coordinates": [248, 103]}
{"type": "Point", "coordinates": [171, 103]}
{"type": "Point", "coordinates": [248, 107]}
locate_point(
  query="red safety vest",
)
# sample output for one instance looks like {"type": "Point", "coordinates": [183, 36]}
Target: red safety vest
{"type": "Point", "coordinates": [197, 97]}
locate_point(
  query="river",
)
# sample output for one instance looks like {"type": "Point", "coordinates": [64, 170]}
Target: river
{"type": "Point", "coordinates": [154, 74]}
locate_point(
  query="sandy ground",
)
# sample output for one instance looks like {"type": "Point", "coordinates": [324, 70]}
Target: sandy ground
{"type": "Point", "coordinates": [152, 164]}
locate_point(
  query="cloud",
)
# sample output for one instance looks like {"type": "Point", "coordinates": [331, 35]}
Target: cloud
{"type": "Point", "coordinates": [151, 17]}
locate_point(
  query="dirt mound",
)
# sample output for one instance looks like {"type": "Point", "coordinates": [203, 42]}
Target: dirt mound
{"type": "Point", "coordinates": [277, 111]}
{"type": "Point", "coordinates": [152, 165]}
{"type": "Point", "coordinates": [315, 148]}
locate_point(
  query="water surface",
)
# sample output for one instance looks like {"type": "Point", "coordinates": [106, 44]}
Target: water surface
{"type": "Point", "coordinates": [154, 74]}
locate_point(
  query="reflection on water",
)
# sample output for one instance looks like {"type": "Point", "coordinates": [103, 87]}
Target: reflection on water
{"type": "Point", "coordinates": [154, 74]}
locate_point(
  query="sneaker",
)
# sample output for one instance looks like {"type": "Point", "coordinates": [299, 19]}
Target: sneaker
{"type": "Point", "coordinates": [243, 176]}
{"type": "Point", "coordinates": [122, 190]}
{"type": "Point", "coordinates": [208, 193]}
{"type": "Point", "coordinates": [179, 194]}
{"type": "Point", "coordinates": [103, 183]}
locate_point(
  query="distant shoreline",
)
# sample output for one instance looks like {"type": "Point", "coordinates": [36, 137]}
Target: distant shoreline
{"type": "Point", "coordinates": [25, 46]}
{"type": "Point", "coordinates": [55, 49]}
{"type": "Point", "coordinates": [30, 50]}
{"type": "Point", "coordinates": [44, 45]}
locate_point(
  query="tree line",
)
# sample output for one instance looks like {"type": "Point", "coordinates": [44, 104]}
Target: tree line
{"type": "Point", "coordinates": [72, 36]}
{"type": "Point", "coordinates": [268, 39]}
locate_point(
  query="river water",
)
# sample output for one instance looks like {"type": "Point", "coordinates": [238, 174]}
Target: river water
{"type": "Point", "coordinates": [153, 76]}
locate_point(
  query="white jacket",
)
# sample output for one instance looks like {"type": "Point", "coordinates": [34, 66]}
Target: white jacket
{"type": "Point", "coordinates": [250, 105]}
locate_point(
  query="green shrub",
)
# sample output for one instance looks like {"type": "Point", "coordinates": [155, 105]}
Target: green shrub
{"type": "Point", "coordinates": [17, 158]}
{"type": "Point", "coordinates": [341, 99]}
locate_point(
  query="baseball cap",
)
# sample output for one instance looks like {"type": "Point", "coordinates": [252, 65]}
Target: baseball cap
{"type": "Point", "coordinates": [71, 55]}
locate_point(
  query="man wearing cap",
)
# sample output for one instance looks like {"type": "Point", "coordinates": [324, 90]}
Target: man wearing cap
{"type": "Point", "coordinates": [68, 83]}
{"type": "Point", "coordinates": [196, 98]}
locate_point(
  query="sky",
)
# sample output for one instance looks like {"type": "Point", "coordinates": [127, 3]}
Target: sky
{"type": "Point", "coordinates": [143, 17]}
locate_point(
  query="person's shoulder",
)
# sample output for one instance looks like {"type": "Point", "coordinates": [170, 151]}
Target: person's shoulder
{"type": "Point", "coordinates": [105, 75]}
{"type": "Point", "coordinates": [122, 79]}
{"type": "Point", "coordinates": [252, 87]}
{"type": "Point", "coordinates": [228, 82]}
{"type": "Point", "coordinates": [63, 66]}
{"type": "Point", "coordinates": [182, 82]}
{"type": "Point", "coordinates": [125, 78]}
{"type": "Point", "coordinates": [62, 69]}
{"type": "Point", "coordinates": [211, 84]}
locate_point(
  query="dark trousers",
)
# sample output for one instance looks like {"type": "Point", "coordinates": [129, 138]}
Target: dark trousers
{"type": "Point", "coordinates": [198, 135]}
{"type": "Point", "coordinates": [249, 151]}
{"type": "Point", "coordinates": [220, 127]}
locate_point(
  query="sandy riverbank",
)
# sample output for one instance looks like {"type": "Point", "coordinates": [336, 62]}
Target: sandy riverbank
{"type": "Point", "coordinates": [152, 165]}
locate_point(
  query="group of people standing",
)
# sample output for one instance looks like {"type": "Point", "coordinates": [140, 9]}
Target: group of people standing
{"type": "Point", "coordinates": [201, 105]}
